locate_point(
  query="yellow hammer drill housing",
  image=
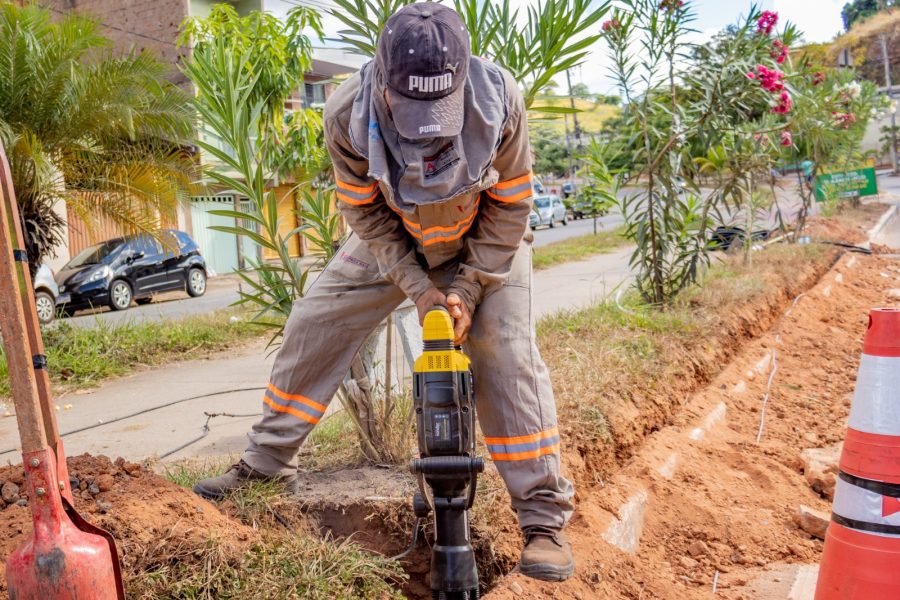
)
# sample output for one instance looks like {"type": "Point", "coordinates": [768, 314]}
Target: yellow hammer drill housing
{"type": "Point", "coordinates": [444, 403]}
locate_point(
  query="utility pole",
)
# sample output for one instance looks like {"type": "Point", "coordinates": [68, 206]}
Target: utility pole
{"type": "Point", "coordinates": [577, 130]}
{"type": "Point", "coordinates": [886, 57]}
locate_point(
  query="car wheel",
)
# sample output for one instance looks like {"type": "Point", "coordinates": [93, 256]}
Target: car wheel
{"type": "Point", "coordinates": [45, 306]}
{"type": "Point", "coordinates": [196, 282]}
{"type": "Point", "coordinates": [120, 295]}
{"type": "Point", "coordinates": [552, 223]}
{"type": "Point", "coordinates": [566, 220]}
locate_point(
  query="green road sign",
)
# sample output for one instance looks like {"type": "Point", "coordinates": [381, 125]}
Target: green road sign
{"type": "Point", "coordinates": [846, 184]}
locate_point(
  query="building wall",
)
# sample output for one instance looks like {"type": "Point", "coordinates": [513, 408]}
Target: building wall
{"type": "Point", "coordinates": [140, 25]}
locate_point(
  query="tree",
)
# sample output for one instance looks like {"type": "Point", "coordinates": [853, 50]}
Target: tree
{"type": "Point", "coordinates": [279, 54]}
{"type": "Point", "coordinates": [550, 154]}
{"type": "Point", "coordinates": [857, 10]}
{"type": "Point", "coordinates": [581, 91]}
{"type": "Point", "coordinates": [555, 36]}
{"type": "Point", "coordinates": [106, 134]}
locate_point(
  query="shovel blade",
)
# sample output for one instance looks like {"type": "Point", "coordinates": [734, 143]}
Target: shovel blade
{"type": "Point", "coordinates": [58, 560]}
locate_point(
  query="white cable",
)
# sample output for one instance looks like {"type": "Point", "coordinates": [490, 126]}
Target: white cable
{"type": "Point", "coordinates": [762, 413]}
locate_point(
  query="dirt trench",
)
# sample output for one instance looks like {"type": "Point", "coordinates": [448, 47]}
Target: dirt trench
{"type": "Point", "coordinates": [700, 504]}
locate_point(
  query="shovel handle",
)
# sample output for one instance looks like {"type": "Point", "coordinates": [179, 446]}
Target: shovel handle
{"type": "Point", "coordinates": [26, 293]}
{"type": "Point", "coordinates": [16, 343]}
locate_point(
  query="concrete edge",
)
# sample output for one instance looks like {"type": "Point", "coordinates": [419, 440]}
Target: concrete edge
{"type": "Point", "coordinates": [886, 218]}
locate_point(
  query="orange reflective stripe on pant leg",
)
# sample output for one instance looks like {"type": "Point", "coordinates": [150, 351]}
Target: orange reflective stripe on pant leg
{"type": "Point", "coordinates": [296, 405]}
{"type": "Point", "coordinates": [524, 447]}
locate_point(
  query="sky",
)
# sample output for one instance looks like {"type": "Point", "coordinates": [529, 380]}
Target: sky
{"type": "Point", "coordinates": [820, 20]}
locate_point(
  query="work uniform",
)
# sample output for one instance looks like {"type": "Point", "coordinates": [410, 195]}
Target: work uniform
{"type": "Point", "coordinates": [448, 212]}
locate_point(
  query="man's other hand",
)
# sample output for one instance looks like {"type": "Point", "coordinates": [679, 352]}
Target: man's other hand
{"type": "Point", "coordinates": [428, 300]}
{"type": "Point", "coordinates": [462, 318]}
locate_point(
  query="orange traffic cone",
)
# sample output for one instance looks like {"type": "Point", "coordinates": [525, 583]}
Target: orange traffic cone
{"type": "Point", "coordinates": [862, 547]}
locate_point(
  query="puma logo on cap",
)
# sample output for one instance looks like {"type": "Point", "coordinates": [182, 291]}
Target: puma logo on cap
{"type": "Point", "coordinates": [437, 83]}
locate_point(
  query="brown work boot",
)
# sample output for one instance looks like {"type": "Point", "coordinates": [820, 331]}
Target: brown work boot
{"type": "Point", "coordinates": [239, 475]}
{"type": "Point", "coordinates": [547, 555]}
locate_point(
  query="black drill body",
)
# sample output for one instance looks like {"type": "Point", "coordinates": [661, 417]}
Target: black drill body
{"type": "Point", "coordinates": [443, 397]}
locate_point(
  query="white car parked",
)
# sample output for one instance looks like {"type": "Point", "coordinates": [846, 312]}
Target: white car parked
{"type": "Point", "coordinates": [46, 294]}
{"type": "Point", "coordinates": [548, 210]}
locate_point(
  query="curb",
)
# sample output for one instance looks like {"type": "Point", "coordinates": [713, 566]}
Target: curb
{"type": "Point", "coordinates": [883, 222]}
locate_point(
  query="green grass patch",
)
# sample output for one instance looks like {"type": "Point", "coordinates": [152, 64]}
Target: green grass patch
{"type": "Point", "coordinates": [577, 248]}
{"type": "Point", "coordinates": [83, 357]}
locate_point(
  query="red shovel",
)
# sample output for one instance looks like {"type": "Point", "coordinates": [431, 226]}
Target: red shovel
{"type": "Point", "coordinates": [65, 558]}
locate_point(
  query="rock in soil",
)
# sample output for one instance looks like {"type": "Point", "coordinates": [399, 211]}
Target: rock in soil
{"type": "Point", "coordinates": [105, 482]}
{"type": "Point", "coordinates": [820, 466]}
{"type": "Point", "coordinates": [812, 521]}
{"type": "Point", "coordinates": [9, 492]}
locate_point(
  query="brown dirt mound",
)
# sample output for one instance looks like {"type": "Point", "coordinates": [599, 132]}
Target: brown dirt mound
{"type": "Point", "coordinates": [852, 226]}
{"type": "Point", "coordinates": [151, 518]}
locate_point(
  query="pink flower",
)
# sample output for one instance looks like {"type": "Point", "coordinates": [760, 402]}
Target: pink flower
{"type": "Point", "coordinates": [771, 80]}
{"type": "Point", "coordinates": [779, 51]}
{"type": "Point", "coordinates": [610, 24]}
{"type": "Point", "coordinates": [751, 75]}
{"type": "Point", "coordinates": [670, 5]}
{"type": "Point", "coordinates": [784, 104]}
{"type": "Point", "coordinates": [786, 138]}
{"type": "Point", "coordinates": [843, 120]}
{"type": "Point", "coordinates": [767, 21]}
{"type": "Point", "coordinates": [818, 77]}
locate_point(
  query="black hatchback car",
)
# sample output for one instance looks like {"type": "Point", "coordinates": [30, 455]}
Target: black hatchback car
{"type": "Point", "coordinates": [117, 271]}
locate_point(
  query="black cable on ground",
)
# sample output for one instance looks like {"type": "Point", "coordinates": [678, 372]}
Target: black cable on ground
{"type": "Point", "coordinates": [206, 430]}
{"type": "Point", "coordinates": [152, 409]}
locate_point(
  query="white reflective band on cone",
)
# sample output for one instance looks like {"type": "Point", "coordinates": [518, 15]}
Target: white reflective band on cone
{"type": "Point", "coordinates": [852, 502]}
{"type": "Point", "coordinates": [876, 403]}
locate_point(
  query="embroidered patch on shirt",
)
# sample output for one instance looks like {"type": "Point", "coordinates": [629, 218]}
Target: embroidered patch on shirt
{"type": "Point", "coordinates": [446, 157]}
{"type": "Point", "coordinates": [353, 260]}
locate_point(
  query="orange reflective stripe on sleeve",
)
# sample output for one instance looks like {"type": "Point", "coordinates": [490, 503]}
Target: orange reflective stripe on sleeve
{"type": "Point", "coordinates": [511, 183]}
{"type": "Point", "coordinates": [518, 197]}
{"type": "Point", "coordinates": [356, 195]}
{"type": "Point", "coordinates": [512, 190]}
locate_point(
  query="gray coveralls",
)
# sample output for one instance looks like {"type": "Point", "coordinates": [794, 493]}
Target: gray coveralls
{"type": "Point", "coordinates": [471, 242]}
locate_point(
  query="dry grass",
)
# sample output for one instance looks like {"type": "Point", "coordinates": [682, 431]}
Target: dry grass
{"type": "Point", "coordinates": [283, 565]}
{"type": "Point", "coordinates": [619, 371]}
{"type": "Point", "coordinates": [590, 119]}
{"type": "Point", "coordinates": [287, 559]}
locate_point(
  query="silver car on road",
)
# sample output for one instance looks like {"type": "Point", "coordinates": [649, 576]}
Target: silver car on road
{"type": "Point", "coordinates": [548, 210]}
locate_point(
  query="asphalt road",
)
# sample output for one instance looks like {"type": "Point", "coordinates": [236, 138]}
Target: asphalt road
{"type": "Point", "coordinates": [223, 291]}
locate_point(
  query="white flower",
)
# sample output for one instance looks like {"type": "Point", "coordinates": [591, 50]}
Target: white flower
{"type": "Point", "coordinates": [853, 89]}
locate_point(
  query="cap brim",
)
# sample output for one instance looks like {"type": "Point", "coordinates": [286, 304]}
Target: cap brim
{"type": "Point", "coordinates": [423, 119]}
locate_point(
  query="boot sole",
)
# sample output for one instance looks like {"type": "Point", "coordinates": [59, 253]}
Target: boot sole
{"type": "Point", "coordinates": [204, 493]}
{"type": "Point", "coordinates": [547, 572]}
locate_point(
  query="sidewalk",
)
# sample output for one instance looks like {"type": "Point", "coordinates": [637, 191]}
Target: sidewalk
{"type": "Point", "coordinates": [566, 286]}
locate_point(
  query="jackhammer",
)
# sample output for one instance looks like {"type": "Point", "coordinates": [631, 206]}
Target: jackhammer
{"type": "Point", "coordinates": [444, 402]}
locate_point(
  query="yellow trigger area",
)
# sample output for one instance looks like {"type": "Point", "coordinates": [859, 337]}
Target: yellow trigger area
{"type": "Point", "coordinates": [437, 331]}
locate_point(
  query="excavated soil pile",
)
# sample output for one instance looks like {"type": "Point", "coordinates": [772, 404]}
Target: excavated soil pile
{"type": "Point", "coordinates": [153, 520]}
{"type": "Point", "coordinates": [701, 504]}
